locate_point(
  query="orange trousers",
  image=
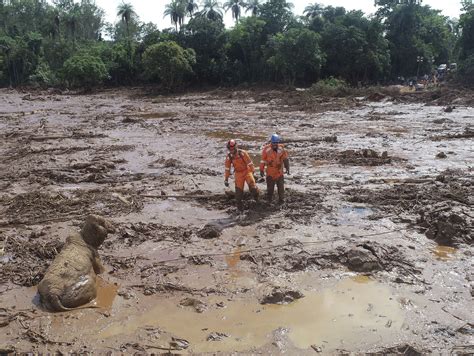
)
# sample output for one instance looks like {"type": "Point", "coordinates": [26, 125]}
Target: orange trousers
{"type": "Point", "coordinates": [242, 177]}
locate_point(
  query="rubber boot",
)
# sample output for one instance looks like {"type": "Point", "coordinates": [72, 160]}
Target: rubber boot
{"type": "Point", "coordinates": [238, 198]}
{"type": "Point", "coordinates": [270, 189]}
{"type": "Point", "coordinates": [281, 190]}
{"type": "Point", "coordinates": [255, 194]}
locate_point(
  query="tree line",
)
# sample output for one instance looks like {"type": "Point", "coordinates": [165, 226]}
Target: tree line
{"type": "Point", "coordinates": [68, 43]}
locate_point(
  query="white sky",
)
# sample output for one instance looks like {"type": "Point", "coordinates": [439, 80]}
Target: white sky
{"type": "Point", "coordinates": [152, 10]}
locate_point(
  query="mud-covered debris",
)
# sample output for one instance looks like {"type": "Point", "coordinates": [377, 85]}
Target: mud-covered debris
{"type": "Point", "coordinates": [360, 259]}
{"type": "Point", "coordinates": [210, 231]}
{"type": "Point", "coordinates": [365, 157]}
{"type": "Point", "coordinates": [317, 348]}
{"type": "Point", "coordinates": [281, 295]}
{"type": "Point", "coordinates": [200, 260]}
{"type": "Point", "coordinates": [179, 344]}
{"type": "Point", "coordinates": [171, 162]}
{"type": "Point", "coordinates": [134, 234]}
{"type": "Point", "coordinates": [404, 349]}
{"type": "Point", "coordinates": [332, 138]}
{"type": "Point", "coordinates": [442, 121]}
{"type": "Point", "coordinates": [29, 260]}
{"type": "Point", "coordinates": [441, 206]}
{"type": "Point", "coordinates": [130, 120]}
{"type": "Point", "coordinates": [467, 133]}
{"type": "Point", "coordinates": [441, 155]}
{"type": "Point", "coordinates": [216, 336]}
{"type": "Point", "coordinates": [375, 97]}
{"type": "Point", "coordinates": [197, 305]}
{"type": "Point", "coordinates": [446, 224]}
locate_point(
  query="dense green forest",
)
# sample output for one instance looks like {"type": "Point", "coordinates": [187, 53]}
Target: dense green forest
{"type": "Point", "coordinates": [68, 43]}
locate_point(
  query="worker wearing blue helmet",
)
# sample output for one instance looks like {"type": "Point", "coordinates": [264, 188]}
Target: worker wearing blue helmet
{"type": "Point", "coordinates": [274, 158]}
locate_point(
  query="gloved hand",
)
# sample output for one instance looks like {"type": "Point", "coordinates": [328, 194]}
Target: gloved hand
{"type": "Point", "coordinates": [226, 183]}
{"type": "Point", "coordinates": [262, 174]}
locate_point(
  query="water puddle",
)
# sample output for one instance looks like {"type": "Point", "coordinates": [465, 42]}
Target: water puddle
{"type": "Point", "coordinates": [444, 253]}
{"type": "Point", "coordinates": [350, 314]}
{"type": "Point", "coordinates": [353, 214]}
{"type": "Point", "coordinates": [106, 293]}
{"type": "Point", "coordinates": [360, 278]}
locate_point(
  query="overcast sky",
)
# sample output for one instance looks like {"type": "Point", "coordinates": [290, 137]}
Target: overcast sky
{"type": "Point", "coordinates": [152, 10]}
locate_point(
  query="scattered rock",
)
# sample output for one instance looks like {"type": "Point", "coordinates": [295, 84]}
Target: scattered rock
{"type": "Point", "coordinates": [441, 155]}
{"type": "Point", "coordinates": [280, 295]}
{"type": "Point", "coordinates": [449, 108]}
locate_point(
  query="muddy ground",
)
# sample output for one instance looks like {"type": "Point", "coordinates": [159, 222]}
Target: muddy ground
{"type": "Point", "coordinates": [371, 252]}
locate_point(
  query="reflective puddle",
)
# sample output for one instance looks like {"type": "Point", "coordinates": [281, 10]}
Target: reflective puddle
{"type": "Point", "coordinates": [106, 293]}
{"type": "Point", "coordinates": [353, 214]}
{"type": "Point", "coordinates": [444, 253]}
{"type": "Point", "coordinates": [351, 313]}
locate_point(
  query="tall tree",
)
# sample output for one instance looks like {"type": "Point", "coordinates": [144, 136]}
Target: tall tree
{"type": "Point", "coordinates": [212, 10]}
{"type": "Point", "coordinates": [176, 10]}
{"type": "Point", "coordinates": [191, 7]}
{"type": "Point", "coordinates": [313, 10]}
{"type": "Point", "coordinates": [125, 11]}
{"type": "Point", "coordinates": [253, 6]}
{"type": "Point", "coordinates": [236, 8]}
{"type": "Point", "coordinates": [277, 16]}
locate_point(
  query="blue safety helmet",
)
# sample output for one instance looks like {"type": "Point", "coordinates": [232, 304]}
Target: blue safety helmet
{"type": "Point", "coordinates": [275, 139]}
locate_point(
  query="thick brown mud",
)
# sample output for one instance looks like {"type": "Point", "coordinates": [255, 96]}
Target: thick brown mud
{"type": "Point", "coordinates": [370, 252]}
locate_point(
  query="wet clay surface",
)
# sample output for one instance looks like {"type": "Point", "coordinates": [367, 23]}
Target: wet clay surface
{"type": "Point", "coordinates": [370, 252]}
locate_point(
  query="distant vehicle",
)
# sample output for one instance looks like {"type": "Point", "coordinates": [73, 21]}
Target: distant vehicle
{"type": "Point", "coordinates": [453, 66]}
{"type": "Point", "coordinates": [442, 67]}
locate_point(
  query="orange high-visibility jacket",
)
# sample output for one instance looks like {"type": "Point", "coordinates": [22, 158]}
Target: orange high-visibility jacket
{"type": "Point", "coordinates": [273, 160]}
{"type": "Point", "coordinates": [242, 163]}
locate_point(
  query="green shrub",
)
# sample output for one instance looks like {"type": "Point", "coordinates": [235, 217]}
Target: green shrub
{"type": "Point", "coordinates": [84, 70]}
{"type": "Point", "coordinates": [465, 73]}
{"type": "Point", "coordinates": [331, 87]}
{"type": "Point", "coordinates": [43, 76]}
{"type": "Point", "coordinates": [168, 62]}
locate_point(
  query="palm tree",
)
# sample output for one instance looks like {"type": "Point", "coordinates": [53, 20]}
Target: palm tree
{"type": "Point", "coordinates": [125, 12]}
{"type": "Point", "coordinates": [314, 10]}
{"type": "Point", "coordinates": [212, 10]}
{"type": "Point", "coordinates": [72, 22]}
{"type": "Point", "coordinates": [235, 6]}
{"type": "Point", "coordinates": [176, 11]}
{"type": "Point", "coordinates": [253, 6]}
{"type": "Point", "coordinates": [191, 7]}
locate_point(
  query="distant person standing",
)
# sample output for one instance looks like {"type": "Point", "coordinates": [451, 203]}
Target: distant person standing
{"type": "Point", "coordinates": [274, 158]}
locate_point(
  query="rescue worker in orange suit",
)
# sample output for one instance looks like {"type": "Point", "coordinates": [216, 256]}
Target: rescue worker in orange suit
{"type": "Point", "coordinates": [243, 172]}
{"type": "Point", "coordinates": [274, 157]}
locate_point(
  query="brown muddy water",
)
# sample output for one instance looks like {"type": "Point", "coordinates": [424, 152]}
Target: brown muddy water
{"type": "Point", "coordinates": [349, 313]}
{"type": "Point", "coordinates": [371, 251]}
